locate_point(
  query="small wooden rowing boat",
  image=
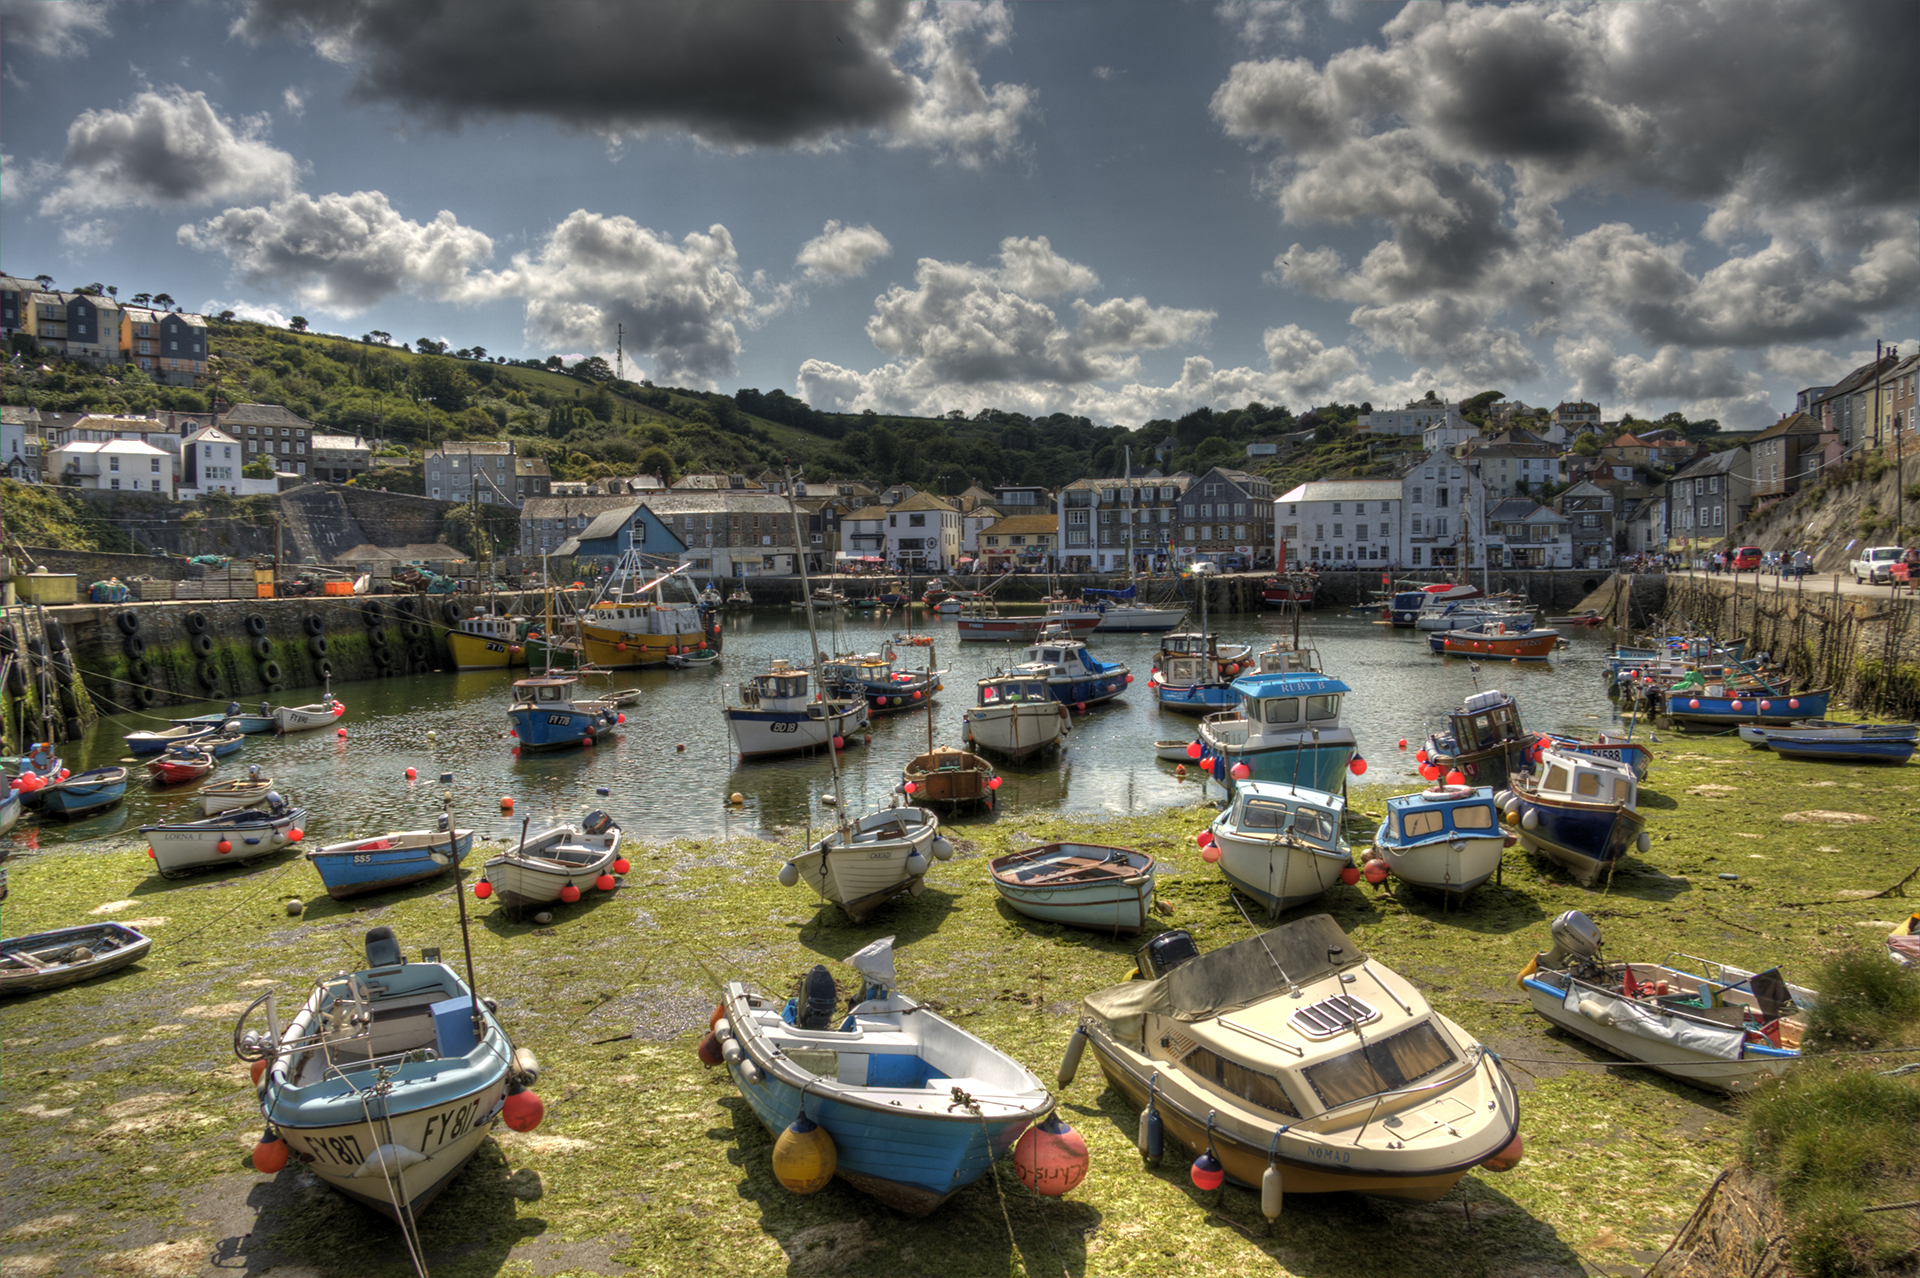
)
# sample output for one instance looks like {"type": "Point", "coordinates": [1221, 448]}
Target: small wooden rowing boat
{"type": "Point", "coordinates": [949, 779]}
{"type": "Point", "coordinates": [384, 861]}
{"type": "Point", "coordinates": [173, 767]}
{"type": "Point", "coordinates": [48, 960]}
{"type": "Point", "coordinates": [1084, 884]}
{"type": "Point", "coordinates": [239, 792]}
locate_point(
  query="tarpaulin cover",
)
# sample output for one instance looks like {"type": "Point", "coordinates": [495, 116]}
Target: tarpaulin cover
{"type": "Point", "coordinates": [1638, 1019]}
{"type": "Point", "coordinates": [1229, 978]}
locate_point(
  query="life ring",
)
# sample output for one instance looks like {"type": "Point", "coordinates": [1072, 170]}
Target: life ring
{"type": "Point", "coordinates": [450, 611]}
{"type": "Point", "coordinates": [202, 644]}
{"type": "Point", "coordinates": [136, 646]}
{"type": "Point", "coordinates": [262, 646]}
{"type": "Point", "coordinates": [270, 671]}
{"type": "Point", "coordinates": [373, 614]}
{"type": "Point", "coordinates": [317, 645]}
{"type": "Point", "coordinates": [312, 623]}
{"type": "Point", "coordinates": [196, 623]}
{"type": "Point", "coordinates": [256, 624]}
{"type": "Point", "coordinates": [1447, 792]}
{"type": "Point", "coordinates": [128, 621]}
{"type": "Point", "coordinates": [209, 674]}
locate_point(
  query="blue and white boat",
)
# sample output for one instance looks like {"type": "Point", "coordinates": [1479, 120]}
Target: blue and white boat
{"type": "Point", "coordinates": [1073, 676]}
{"type": "Point", "coordinates": [545, 715]}
{"type": "Point", "coordinates": [84, 792]}
{"type": "Point", "coordinates": [39, 760]}
{"type": "Point", "coordinates": [1634, 754]}
{"type": "Point", "coordinates": [389, 1079]}
{"type": "Point", "coordinates": [389, 860]}
{"type": "Point", "coordinates": [916, 1107]}
{"type": "Point", "coordinates": [1447, 838]}
{"type": "Point", "coordinates": [150, 742]}
{"type": "Point", "coordinates": [1696, 708]}
{"type": "Point", "coordinates": [10, 809]}
{"type": "Point", "coordinates": [1287, 730]}
{"type": "Point", "coordinates": [1578, 811]}
{"type": "Point", "coordinates": [1281, 844]}
{"type": "Point", "coordinates": [1484, 740]}
{"type": "Point", "coordinates": [775, 714]}
{"type": "Point", "coordinates": [1187, 676]}
{"type": "Point", "coordinates": [233, 719]}
{"type": "Point", "coordinates": [1081, 884]}
{"type": "Point", "coordinates": [232, 838]}
{"type": "Point", "coordinates": [875, 676]}
{"type": "Point", "coordinates": [219, 745]}
{"type": "Point", "coordinates": [1866, 747]}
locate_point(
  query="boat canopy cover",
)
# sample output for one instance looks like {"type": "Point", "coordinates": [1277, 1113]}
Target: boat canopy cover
{"type": "Point", "coordinates": [1229, 978]}
{"type": "Point", "coordinates": [1287, 684]}
{"type": "Point", "coordinates": [1128, 593]}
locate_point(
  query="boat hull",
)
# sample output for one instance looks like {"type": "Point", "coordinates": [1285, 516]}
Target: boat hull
{"type": "Point", "coordinates": [538, 873]}
{"type": "Point", "coordinates": [482, 652]}
{"type": "Point", "coordinates": [84, 793]}
{"type": "Point", "coordinates": [1702, 1070]}
{"type": "Point", "coordinates": [1455, 868]}
{"type": "Point", "coordinates": [1533, 645]}
{"type": "Point", "coordinates": [865, 874]}
{"type": "Point", "coordinates": [1140, 620]}
{"type": "Point", "coordinates": [388, 861]}
{"type": "Point", "coordinates": [620, 649]}
{"type": "Point", "coordinates": [1318, 764]}
{"type": "Point", "coordinates": [1023, 629]}
{"type": "Point", "coordinates": [20, 976]}
{"type": "Point", "coordinates": [1587, 839]}
{"type": "Point", "coordinates": [1017, 730]}
{"type": "Point", "coordinates": [178, 849]}
{"type": "Point", "coordinates": [227, 796]}
{"type": "Point", "coordinates": [1277, 874]}
{"type": "Point", "coordinates": [557, 727]}
{"type": "Point", "coordinates": [303, 718]}
{"type": "Point", "coordinates": [764, 734]}
{"type": "Point", "coordinates": [10, 809]}
{"type": "Point", "coordinates": [1754, 707]}
{"type": "Point", "coordinates": [1106, 904]}
{"type": "Point", "coordinates": [1855, 749]}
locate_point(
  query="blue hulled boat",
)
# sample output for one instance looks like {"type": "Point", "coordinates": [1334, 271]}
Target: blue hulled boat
{"type": "Point", "coordinates": [10, 808]}
{"type": "Point", "coordinates": [1881, 746]}
{"type": "Point", "coordinates": [1188, 678]}
{"type": "Point", "coordinates": [915, 1108]}
{"type": "Point", "coordinates": [1578, 811]}
{"type": "Point", "coordinates": [1693, 708]}
{"type": "Point", "coordinates": [1634, 754]}
{"type": "Point", "coordinates": [1071, 674]}
{"type": "Point", "coordinates": [84, 792]}
{"type": "Point", "coordinates": [887, 690]}
{"type": "Point", "coordinates": [233, 719]}
{"type": "Point", "coordinates": [167, 738]}
{"type": "Point", "coordinates": [1287, 730]}
{"type": "Point", "coordinates": [545, 716]}
{"type": "Point", "coordinates": [388, 860]}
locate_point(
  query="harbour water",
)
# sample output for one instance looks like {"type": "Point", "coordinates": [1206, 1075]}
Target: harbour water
{"type": "Point", "coordinates": [455, 724]}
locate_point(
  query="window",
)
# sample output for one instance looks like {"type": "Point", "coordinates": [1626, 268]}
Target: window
{"type": "Point", "coordinates": [1249, 1085]}
{"type": "Point", "coordinates": [116, 481]}
{"type": "Point", "coordinates": [1239, 532]}
{"type": "Point", "coordinates": [1323, 707]}
{"type": "Point", "coordinates": [1283, 710]}
{"type": "Point", "coordinates": [1337, 528]}
{"type": "Point", "coordinates": [1336, 510]}
{"type": "Point", "coordinates": [1359, 531]}
{"type": "Point", "coordinates": [1206, 511]}
{"type": "Point", "coordinates": [1187, 533]}
{"type": "Point", "coordinates": [113, 463]}
{"type": "Point", "coordinates": [1188, 510]}
{"type": "Point", "coordinates": [1587, 785]}
{"type": "Point", "coordinates": [1239, 508]}
{"type": "Point", "coordinates": [1416, 556]}
{"type": "Point", "coordinates": [1382, 1066]}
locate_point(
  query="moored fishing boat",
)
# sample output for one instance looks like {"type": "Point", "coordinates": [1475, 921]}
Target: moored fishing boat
{"type": "Point", "coordinates": [388, 1080]}
{"type": "Point", "coordinates": [1086, 885]}
{"type": "Point", "coordinates": [1287, 729]}
{"type": "Point", "coordinates": [320, 714]}
{"type": "Point", "coordinates": [1790, 743]}
{"type": "Point", "coordinates": [875, 676]}
{"type": "Point", "coordinates": [981, 622]}
{"type": "Point", "coordinates": [1483, 740]}
{"type": "Point", "coordinates": [485, 641]}
{"type": "Point", "coordinates": [545, 715]}
{"type": "Point", "coordinates": [232, 838]}
{"type": "Point", "coordinates": [152, 742]}
{"type": "Point", "coordinates": [1700, 707]}
{"type": "Point", "coordinates": [1495, 642]}
{"type": "Point", "coordinates": [1406, 607]}
{"type": "Point", "coordinates": [774, 715]}
{"type": "Point", "coordinates": [1634, 754]}
{"type": "Point", "coordinates": [1280, 844]}
{"type": "Point", "coordinates": [176, 766]}
{"type": "Point", "coordinates": [65, 956]}
{"type": "Point", "coordinates": [869, 860]}
{"type": "Point", "coordinates": [1015, 717]}
{"type": "Point", "coordinates": [219, 745]}
{"type": "Point", "coordinates": [912, 1107]}
{"type": "Point", "coordinates": [83, 793]}
{"type": "Point", "coordinates": [10, 809]}
{"type": "Point", "coordinates": [1447, 838]}
{"type": "Point", "coordinates": [392, 860]}
{"type": "Point", "coordinates": [559, 864]}
{"type": "Point", "coordinates": [232, 719]}
{"type": "Point", "coordinates": [238, 792]}
{"type": "Point", "coordinates": [1578, 811]}
{"type": "Point", "coordinates": [1071, 674]}
{"type": "Point", "coordinates": [1722, 1028]}
{"type": "Point", "coordinates": [1188, 676]}
{"type": "Point", "coordinates": [739, 599]}
{"type": "Point", "coordinates": [949, 779]}
{"type": "Point", "coordinates": [1293, 1062]}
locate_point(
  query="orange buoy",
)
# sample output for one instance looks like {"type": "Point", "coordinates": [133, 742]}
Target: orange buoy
{"type": "Point", "coordinates": [1051, 1158]}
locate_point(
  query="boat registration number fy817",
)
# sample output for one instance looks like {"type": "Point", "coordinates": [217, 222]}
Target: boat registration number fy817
{"type": "Point", "coordinates": [343, 1150]}
{"type": "Point", "coordinates": [450, 1125]}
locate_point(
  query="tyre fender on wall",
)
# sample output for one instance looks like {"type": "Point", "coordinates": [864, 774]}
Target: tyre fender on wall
{"type": "Point", "coordinates": [256, 624]}
{"type": "Point", "coordinates": [128, 620]}
{"type": "Point", "coordinates": [136, 647]}
{"type": "Point", "coordinates": [323, 668]}
{"type": "Point", "coordinates": [270, 671]}
{"type": "Point", "coordinates": [196, 623]}
{"type": "Point", "coordinates": [202, 644]}
{"type": "Point", "coordinates": [312, 624]}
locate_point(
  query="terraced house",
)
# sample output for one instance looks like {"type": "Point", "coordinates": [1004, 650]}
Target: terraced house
{"type": "Point", "coordinates": [1096, 516]}
{"type": "Point", "coordinates": [1227, 516]}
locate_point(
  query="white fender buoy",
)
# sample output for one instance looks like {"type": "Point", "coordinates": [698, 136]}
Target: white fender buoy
{"type": "Point", "coordinates": [1070, 1063]}
{"type": "Point", "coordinates": [1501, 798]}
{"type": "Point", "coordinates": [916, 863]}
{"type": "Point", "coordinates": [749, 1071]}
{"type": "Point", "coordinates": [789, 874]}
{"type": "Point", "coordinates": [1596, 1011]}
{"type": "Point", "coordinates": [943, 847]}
{"type": "Point", "coordinates": [731, 1051]}
{"type": "Point", "coordinates": [1644, 842]}
{"type": "Point", "coordinates": [1271, 1194]}
{"type": "Point", "coordinates": [1531, 821]}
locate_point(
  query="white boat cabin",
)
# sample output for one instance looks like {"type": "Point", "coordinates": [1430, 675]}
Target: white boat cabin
{"type": "Point", "coordinates": [488, 626]}
{"type": "Point", "coordinates": [547, 690]}
{"type": "Point", "coordinates": [1289, 660]}
{"type": "Point", "coordinates": [1011, 689]}
{"type": "Point", "coordinates": [1585, 779]}
{"type": "Point", "coordinates": [1289, 703]}
{"type": "Point", "coordinates": [1271, 809]}
{"type": "Point", "coordinates": [782, 687]}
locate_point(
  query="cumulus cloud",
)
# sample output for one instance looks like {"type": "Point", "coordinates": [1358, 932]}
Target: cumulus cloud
{"type": "Point", "coordinates": [343, 253]}
{"type": "Point", "coordinates": [1467, 126]}
{"type": "Point", "coordinates": [1261, 22]}
{"type": "Point", "coordinates": [167, 147]}
{"type": "Point", "coordinates": [57, 30]}
{"type": "Point", "coordinates": [296, 103]}
{"type": "Point", "coordinates": [733, 73]}
{"type": "Point", "coordinates": [681, 303]}
{"type": "Point", "coordinates": [93, 233]}
{"type": "Point", "coordinates": [252, 312]}
{"type": "Point", "coordinates": [842, 252]}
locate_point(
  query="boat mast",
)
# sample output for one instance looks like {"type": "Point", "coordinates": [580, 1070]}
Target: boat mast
{"type": "Point", "coordinates": [1131, 582]}
{"type": "Point", "coordinates": [813, 636]}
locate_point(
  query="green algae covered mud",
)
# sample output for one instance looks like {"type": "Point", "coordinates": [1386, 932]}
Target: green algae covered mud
{"type": "Point", "coordinates": [128, 1123]}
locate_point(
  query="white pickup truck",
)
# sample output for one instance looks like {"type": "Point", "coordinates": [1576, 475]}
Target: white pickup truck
{"type": "Point", "coordinates": [1875, 564]}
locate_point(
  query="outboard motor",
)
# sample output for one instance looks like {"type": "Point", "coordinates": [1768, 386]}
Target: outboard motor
{"type": "Point", "coordinates": [817, 1001]}
{"type": "Point", "coordinates": [1165, 952]}
{"type": "Point", "coordinates": [233, 708]}
{"type": "Point", "coordinates": [596, 823]}
{"type": "Point", "coordinates": [1575, 936]}
{"type": "Point", "coordinates": [383, 948]}
{"type": "Point", "coordinates": [266, 710]}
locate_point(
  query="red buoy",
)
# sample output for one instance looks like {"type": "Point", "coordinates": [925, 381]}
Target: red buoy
{"type": "Point", "coordinates": [1350, 875]}
{"type": "Point", "coordinates": [1508, 1158]}
{"type": "Point", "coordinates": [569, 894]}
{"type": "Point", "coordinates": [223, 847]}
{"type": "Point", "coordinates": [269, 1156]}
{"type": "Point", "coordinates": [1403, 743]}
{"type": "Point", "coordinates": [710, 1050]}
{"type": "Point", "coordinates": [483, 889]}
{"type": "Point", "coordinates": [1357, 766]}
{"type": "Point", "coordinates": [1051, 1158]}
{"type": "Point", "coordinates": [1376, 872]}
{"type": "Point", "coordinates": [1207, 1173]}
{"type": "Point", "coordinates": [620, 865]}
{"type": "Point", "coordinates": [296, 834]}
{"type": "Point", "coordinates": [523, 1111]}
{"type": "Point", "coordinates": [259, 1068]}
{"type": "Point", "coordinates": [993, 783]}
{"type": "Point", "coordinates": [605, 883]}
{"type": "Point", "coordinates": [412, 774]}
{"type": "Point", "coordinates": [1456, 778]}
{"type": "Point", "coordinates": [1193, 750]}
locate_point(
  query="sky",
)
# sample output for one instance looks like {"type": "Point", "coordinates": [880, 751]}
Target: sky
{"type": "Point", "coordinates": [1118, 210]}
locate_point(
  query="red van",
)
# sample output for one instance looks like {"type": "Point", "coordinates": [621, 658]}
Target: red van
{"type": "Point", "coordinates": [1746, 558]}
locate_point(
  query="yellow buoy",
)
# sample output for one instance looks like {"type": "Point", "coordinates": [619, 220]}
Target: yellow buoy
{"type": "Point", "coordinates": [803, 1156]}
{"type": "Point", "coordinates": [736, 798]}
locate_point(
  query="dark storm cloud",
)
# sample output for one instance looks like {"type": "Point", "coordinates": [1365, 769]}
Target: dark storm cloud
{"type": "Point", "coordinates": [733, 73]}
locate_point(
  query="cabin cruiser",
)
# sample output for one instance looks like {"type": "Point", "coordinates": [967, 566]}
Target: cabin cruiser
{"type": "Point", "coordinates": [1406, 607]}
{"type": "Point", "coordinates": [1293, 1061]}
{"type": "Point", "coordinates": [1070, 673]}
{"type": "Point", "coordinates": [1287, 729]}
{"type": "Point", "coordinates": [774, 715]}
{"type": "Point", "coordinates": [1015, 717]}
{"type": "Point", "coordinates": [1119, 610]}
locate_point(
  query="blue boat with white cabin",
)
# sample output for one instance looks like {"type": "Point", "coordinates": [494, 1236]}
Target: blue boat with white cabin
{"type": "Point", "coordinates": [916, 1107]}
{"type": "Point", "coordinates": [545, 715]}
{"type": "Point", "coordinates": [1187, 676]}
{"type": "Point", "coordinates": [1287, 730]}
{"type": "Point", "coordinates": [1072, 675]}
{"type": "Point", "coordinates": [393, 860]}
{"type": "Point", "coordinates": [1578, 811]}
{"type": "Point", "coordinates": [1634, 754]}
{"type": "Point", "coordinates": [1447, 838]}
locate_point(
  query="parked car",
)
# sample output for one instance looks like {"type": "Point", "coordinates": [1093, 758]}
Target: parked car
{"type": "Point", "coordinates": [1203, 568]}
{"type": "Point", "coordinates": [1875, 564]}
{"type": "Point", "coordinates": [1745, 559]}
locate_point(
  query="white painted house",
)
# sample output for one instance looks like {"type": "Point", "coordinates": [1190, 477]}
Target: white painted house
{"type": "Point", "coordinates": [1340, 521]}
{"type": "Point", "coordinates": [120, 465]}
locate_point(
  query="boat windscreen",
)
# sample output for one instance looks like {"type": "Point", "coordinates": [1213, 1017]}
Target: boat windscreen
{"type": "Point", "coordinates": [1384, 1065]}
{"type": "Point", "coordinates": [1233, 976]}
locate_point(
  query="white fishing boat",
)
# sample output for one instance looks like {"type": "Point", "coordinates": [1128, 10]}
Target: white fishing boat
{"type": "Point", "coordinates": [1722, 1028]}
{"type": "Point", "coordinates": [1280, 844]}
{"type": "Point", "coordinates": [1294, 1062]}
{"type": "Point", "coordinates": [1172, 751]}
{"type": "Point", "coordinates": [232, 838]}
{"type": "Point", "coordinates": [557, 865]}
{"type": "Point", "coordinates": [1447, 838]}
{"type": "Point", "coordinates": [868, 861]}
{"type": "Point", "coordinates": [306, 718]}
{"type": "Point", "coordinates": [1016, 716]}
{"type": "Point", "coordinates": [388, 1080]}
{"type": "Point", "coordinates": [240, 792]}
{"type": "Point", "coordinates": [775, 715]}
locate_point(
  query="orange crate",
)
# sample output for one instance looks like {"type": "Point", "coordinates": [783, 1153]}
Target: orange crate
{"type": "Point", "coordinates": [338, 588]}
{"type": "Point", "coordinates": [263, 590]}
